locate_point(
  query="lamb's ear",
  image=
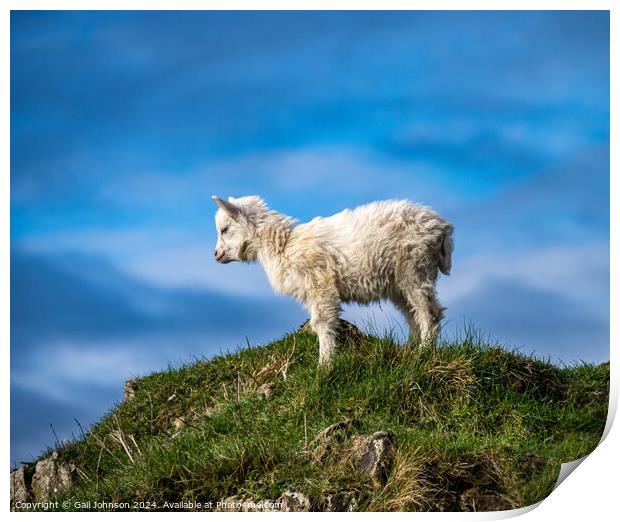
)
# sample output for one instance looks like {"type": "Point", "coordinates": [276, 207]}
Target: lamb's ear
{"type": "Point", "coordinates": [231, 209]}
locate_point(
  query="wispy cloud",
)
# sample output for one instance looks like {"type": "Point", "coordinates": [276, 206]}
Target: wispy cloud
{"type": "Point", "coordinates": [98, 365]}
{"type": "Point", "coordinates": [194, 267]}
{"type": "Point", "coordinates": [91, 300]}
{"type": "Point", "coordinates": [534, 320]}
{"type": "Point", "coordinates": [577, 273]}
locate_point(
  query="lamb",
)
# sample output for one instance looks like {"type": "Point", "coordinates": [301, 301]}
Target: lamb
{"type": "Point", "coordinates": [382, 250]}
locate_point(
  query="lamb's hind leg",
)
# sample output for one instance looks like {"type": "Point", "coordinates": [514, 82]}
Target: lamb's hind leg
{"type": "Point", "coordinates": [324, 321]}
{"type": "Point", "coordinates": [408, 312]}
{"type": "Point", "coordinates": [428, 310]}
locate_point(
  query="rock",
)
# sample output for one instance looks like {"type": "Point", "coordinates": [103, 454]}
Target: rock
{"type": "Point", "coordinates": [305, 327]}
{"type": "Point", "coordinates": [209, 411]}
{"type": "Point", "coordinates": [130, 390]}
{"type": "Point", "coordinates": [349, 333]}
{"type": "Point", "coordinates": [178, 423]}
{"type": "Point", "coordinates": [264, 390]}
{"type": "Point", "coordinates": [326, 434]}
{"type": "Point", "coordinates": [447, 501]}
{"type": "Point", "coordinates": [373, 456]}
{"type": "Point", "coordinates": [328, 437]}
{"type": "Point", "coordinates": [343, 501]}
{"type": "Point", "coordinates": [346, 331]}
{"type": "Point", "coordinates": [474, 499]}
{"type": "Point", "coordinates": [51, 478]}
{"type": "Point", "coordinates": [19, 487]}
{"type": "Point", "coordinates": [293, 501]}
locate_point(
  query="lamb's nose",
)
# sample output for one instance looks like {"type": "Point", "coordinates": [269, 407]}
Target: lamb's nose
{"type": "Point", "coordinates": [215, 253]}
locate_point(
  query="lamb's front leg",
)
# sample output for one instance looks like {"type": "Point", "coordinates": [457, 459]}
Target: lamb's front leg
{"type": "Point", "coordinates": [324, 321]}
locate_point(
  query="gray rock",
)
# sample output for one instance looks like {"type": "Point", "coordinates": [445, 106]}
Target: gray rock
{"type": "Point", "coordinates": [179, 423]}
{"type": "Point", "coordinates": [328, 438]}
{"type": "Point", "coordinates": [130, 390]}
{"type": "Point", "coordinates": [51, 478]}
{"type": "Point", "coordinates": [373, 456]}
{"type": "Point", "coordinates": [327, 433]}
{"type": "Point", "coordinates": [264, 390]}
{"type": "Point", "coordinates": [293, 501]}
{"type": "Point", "coordinates": [347, 332]}
{"type": "Point", "coordinates": [19, 487]}
{"type": "Point", "coordinates": [343, 501]}
{"type": "Point", "coordinates": [474, 499]}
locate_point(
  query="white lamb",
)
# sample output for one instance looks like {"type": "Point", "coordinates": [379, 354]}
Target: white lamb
{"type": "Point", "coordinates": [383, 250]}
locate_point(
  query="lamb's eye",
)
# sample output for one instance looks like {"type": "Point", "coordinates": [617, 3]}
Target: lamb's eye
{"type": "Point", "coordinates": [224, 230]}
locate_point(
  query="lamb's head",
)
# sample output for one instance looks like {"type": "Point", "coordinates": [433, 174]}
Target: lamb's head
{"type": "Point", "coordinates": [236, 222]}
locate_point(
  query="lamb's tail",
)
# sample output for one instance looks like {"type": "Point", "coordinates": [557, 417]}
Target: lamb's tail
{"type": "Point", "coordinates": [445, 250]}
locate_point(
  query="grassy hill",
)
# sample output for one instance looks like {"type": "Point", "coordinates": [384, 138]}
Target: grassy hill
{"type": "Point", "coordinates": [475, 427]}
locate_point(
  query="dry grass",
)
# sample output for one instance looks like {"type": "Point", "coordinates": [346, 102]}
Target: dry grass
{"type": "Point", "coordinates": [407, 488]}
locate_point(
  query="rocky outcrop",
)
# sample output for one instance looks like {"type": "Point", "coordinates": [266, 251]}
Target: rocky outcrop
{"type": "Point", "coordinates": [347, 332]}
{"type": "Point", "coordinates": [343, 501]}
{"type": "Point", "coordinates": [264, 390]}
{"type": "Point", "coordinates": [130, 389]}
{"type": "Point", "coordinates": [39, 483]}
{"type": "Point", "coordinates": [20, 486]}
{"type": "Point", "coordinates": [294, 501]}
{"type": "Point", "coordinates": [373, 456]}
{"type": "Point", "coordinates": [51, 477]}
{"type": "Point", "coordinates": [328, 438]}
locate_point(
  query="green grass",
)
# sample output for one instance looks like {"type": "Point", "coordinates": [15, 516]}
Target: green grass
{"type": "Point", "coordinates": [467, 419]}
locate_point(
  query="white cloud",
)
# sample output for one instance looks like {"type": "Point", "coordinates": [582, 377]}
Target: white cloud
{"type": "Point", "coordinates": [60, 370]}
{"type": "Point", "coordinates": [111, 242]}
{"type": "Point", "coordinates": [576, 272]}
{"type": "Point", "coordinates": [69, 364]}
{"type": "Point", "coordinates": [193, 266]}
{"type": "Point", "coordinates": [323, 170]}
{"type": "Point", "coordinates": [165, 257]}
{"type": "Point", "coordinates": [349, 174]}
{"type": "Point", "coordinates": [549, 139]}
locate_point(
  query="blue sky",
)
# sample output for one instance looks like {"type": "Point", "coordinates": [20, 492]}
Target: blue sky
{"type": "Point", "coordinates": [124, 123]}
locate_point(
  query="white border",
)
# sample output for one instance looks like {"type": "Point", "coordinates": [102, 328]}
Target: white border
{"type": "Point", "coordinates": [590, 491]}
